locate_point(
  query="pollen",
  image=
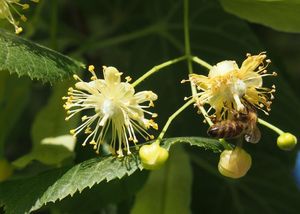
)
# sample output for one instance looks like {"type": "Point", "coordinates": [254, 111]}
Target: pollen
{"type": "Point", "coordinates": [110, 107]}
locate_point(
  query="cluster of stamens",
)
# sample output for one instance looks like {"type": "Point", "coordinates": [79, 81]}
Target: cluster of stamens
{"type": "Point", "coordinates": [230, 88]}
{"type": "Point", "coordinates": [5, 12]}
{"type": "Point", "coordinates": [114, 107]}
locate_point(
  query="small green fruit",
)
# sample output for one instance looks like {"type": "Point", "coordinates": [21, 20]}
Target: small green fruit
{"type": "Point", "coordinates": [153, 156]}
{"type": "Point", "coordinates": [234, 163]}
{"type": "Point", "coordinates": [286, 141]}
{"type": "Point", "coordinates": [6, 170]}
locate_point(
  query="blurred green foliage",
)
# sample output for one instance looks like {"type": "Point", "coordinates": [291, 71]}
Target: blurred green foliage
{"type": "Point", "coordinates": [134, 36]}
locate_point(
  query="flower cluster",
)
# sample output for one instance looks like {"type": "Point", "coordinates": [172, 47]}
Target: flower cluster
{"type": "Point", "coordinates": [114, 106]}
{"type": "Point", "coordinates": [233, 93]}
{"type": "Point", "coordinates": [228, 88]}
{"type": "Point", "coordinates": [5, 12]}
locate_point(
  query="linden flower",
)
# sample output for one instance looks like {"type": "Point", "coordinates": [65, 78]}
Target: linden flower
{"type": "Point", "coordinates": [5, 13]}
{"type": "Point", "coordinates": [228, 87]}
{"type": "Point", "coordinates": [115, 107]}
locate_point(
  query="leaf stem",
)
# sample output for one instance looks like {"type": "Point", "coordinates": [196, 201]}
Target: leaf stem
{"type": "Point", "coordinates": [270, 126]}
{"type": "Point", "coordinates": [171, 118]}
{"type": "Point", "coordinates": [157, 68]}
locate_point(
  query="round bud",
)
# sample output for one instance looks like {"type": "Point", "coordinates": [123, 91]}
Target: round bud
{"type": "Point", "coordinates": [6, 170]}
{"type": "Point", "coordinates": [234, 163]}
{"type": "Point", "coordinates": [286, 141]}
{"type": "Point", "coordinates": [153, 156]}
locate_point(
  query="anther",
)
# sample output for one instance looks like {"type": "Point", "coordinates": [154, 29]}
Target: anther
{"type": "Point", "coordinates": [93, 142]}
{"type": "Point", "coordinates": [91, 68]}
{"type": "Point", "coordinates": [19, 30]}
{"type": "Point", "coordinates": [25, 6]}
{"type": "Point", "coordinates": [76, 77]}
{"type": "Point", "coordinates": [128, 79]}
{"type": "Point", "coordinates": [23, 18]}
{"type": "Point", "coordinates": [154, 115]}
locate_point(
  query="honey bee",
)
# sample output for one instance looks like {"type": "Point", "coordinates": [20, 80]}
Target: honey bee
{"type": "Point", "coordinates": [241, 125]}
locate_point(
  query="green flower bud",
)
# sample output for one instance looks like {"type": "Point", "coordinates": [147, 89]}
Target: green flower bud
{"type": "Point", "coordinates": [286, 141]}
{"type": "Point", "coordinates": [6, 170]}
{"type": "Point", "coordinates": [153, 156]}
{"type": "Point", "coordinates": [234, 163]}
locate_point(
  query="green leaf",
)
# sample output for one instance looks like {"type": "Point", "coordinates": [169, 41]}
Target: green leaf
{"type": "Point", "coordinates": [206, 143]}
{"type": "Point", "coordinates": [281, 15]}
{"type": "Point", "coordinates": [102, 195]}
{"type": "Point", "coordinates": [49, 187]}
{"type": "Point", "coordinates": [268, 187]}
{"type": "Point", "coordinates": [51, 143]}
{"type": "Point", "coordinates": [50, 121]}
{"type": "Point", "coordinates": [52, 151]}
{"type": "Point", "coordinates": [167, 190]}
{"type": "Point", "coordinates": [76, 179]}
{"type": "Point", "coordinates": [12, 103]}
{"type": "Point", "coordinates": [24, 57]}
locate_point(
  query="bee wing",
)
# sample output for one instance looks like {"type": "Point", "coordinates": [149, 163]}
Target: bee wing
{"type": "Point", "coordinates": [253, 136]}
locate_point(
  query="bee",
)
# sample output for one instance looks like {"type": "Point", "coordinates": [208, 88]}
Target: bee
{"type": "Point", "coordinates": [241, 125]}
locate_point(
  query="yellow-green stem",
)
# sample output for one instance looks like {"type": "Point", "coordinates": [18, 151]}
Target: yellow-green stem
{"type": "Point", "coordinates": [157, 68]}
{"type": "Point", "coordinates": [201, 62]}
{"type": "Point", "coordinates": [171, 118]}
{"type": "Point", "coordinates": [188, 53]}
{"type": "Point", "coordinates": [187, 35]}
{"type": "Point", "coordinates": [270, 126]}
{"type": "Point", "coordinates": [197, 60]}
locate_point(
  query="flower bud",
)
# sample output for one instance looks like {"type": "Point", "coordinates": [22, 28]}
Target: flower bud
{"type": "Point", "coordinates": [286, 141]}
{"type": "Point", "coordinates": [153, 156]}
{"type": "Point", "coordinates": [234, 163]}
{"type": "Point", "coordinates": [6, 170]}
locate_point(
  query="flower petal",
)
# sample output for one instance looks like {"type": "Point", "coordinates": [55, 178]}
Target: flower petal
{"type": "Point", "coordinates": [144, 96]}
{"type": "Point", "coordinates": [111, 75]}
{"type": "Point", "coordinates": [223, 68]}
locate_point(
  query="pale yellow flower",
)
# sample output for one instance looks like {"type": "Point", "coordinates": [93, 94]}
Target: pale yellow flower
{"type": "Point", "coordinates": [114, 107]}
{"type": "Point", "coordinates": [228, 87]}
{"type": "Point", "coordinates": [5, 12]}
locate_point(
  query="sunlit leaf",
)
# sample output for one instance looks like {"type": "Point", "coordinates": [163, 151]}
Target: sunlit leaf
{"type": "Point", "coordinates": [50, 121]}
{"type": "Point", "coordinates": [51, 151]}
{"type": "Point", "coordinates": [281, 15]}
{"type": "Point", "coordinates": [58, 184]}
{"type": "Point", "coordinates": [51, 142]}
{"type": "Point", "coordinates": [24, 57]}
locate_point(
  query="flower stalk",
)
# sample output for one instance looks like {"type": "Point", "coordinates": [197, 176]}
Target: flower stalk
{"type": "Point", "coordinates": [157, 68]}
